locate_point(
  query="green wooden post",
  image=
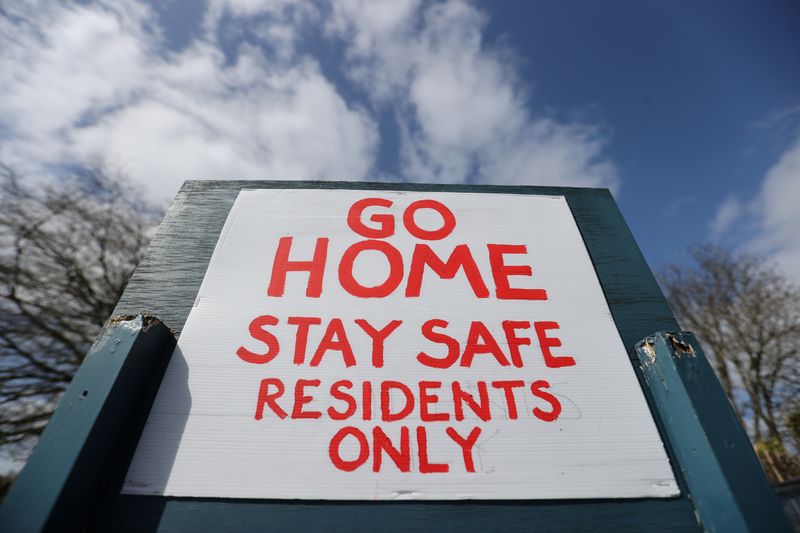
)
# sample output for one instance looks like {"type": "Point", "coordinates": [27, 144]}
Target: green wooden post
{"type": "Point", "coordinates": [74, 461]}
{"type": "Point", "coordinates": [728, 488]}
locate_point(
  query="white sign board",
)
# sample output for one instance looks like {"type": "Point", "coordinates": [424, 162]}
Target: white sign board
{"type": "Point", "coordinates": [377, 345]}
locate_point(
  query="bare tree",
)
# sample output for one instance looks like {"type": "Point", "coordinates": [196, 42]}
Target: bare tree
{"type": "Point", "coordinates": [747, 315]}
{"type": "Point", "coordinates": [67, 250]}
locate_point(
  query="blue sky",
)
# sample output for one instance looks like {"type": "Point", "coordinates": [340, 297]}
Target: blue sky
{"type": "Point", "coordinates": [688, 111]}
{"type": "Point", "coordinates": [690, 91]}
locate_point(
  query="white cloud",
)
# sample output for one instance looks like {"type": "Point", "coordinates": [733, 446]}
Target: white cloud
{"type": "Point", "coordinates": [777, 210]}
{"type": "Point", "coordinates": [274, 21]}
{"type": "Point", "coordinates": [727, 214]}
{"type": "Point", "coordinates": [59, 65]}
{"type": "Point", "coordinates": [89, 83]}
{"type": "Point", "coordinates": [97, 82]}
{"type": "Point", "coordinates": [768, 223]}
{"type": "Point", "coordinates": [462, 110]}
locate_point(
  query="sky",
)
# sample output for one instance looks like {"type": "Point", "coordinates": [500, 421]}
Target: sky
{"type": "Point", "coordinates": [688, 111]}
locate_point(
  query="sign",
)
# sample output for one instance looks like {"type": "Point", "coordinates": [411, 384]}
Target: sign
{"type": "Point", "coordinates": [357, 345]}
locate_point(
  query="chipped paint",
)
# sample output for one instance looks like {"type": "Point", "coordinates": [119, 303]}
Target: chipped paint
{"type": "Point", "coordinates": [647, 348]}
{"type": "Point", "coordinates": [679, 346]}
{"type": "Point", "coordinates": [647, 361]}
{"type": "Point", "coordinates": [144, 321]}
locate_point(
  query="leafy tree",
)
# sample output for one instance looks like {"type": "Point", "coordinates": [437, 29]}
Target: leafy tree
{"type": "Point", "coordinates": [747, 315]}
{"type": "Point", "coordinates": [66, 252]}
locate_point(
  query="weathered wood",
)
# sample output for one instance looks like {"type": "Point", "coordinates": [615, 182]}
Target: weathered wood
{"type": "Point", "coordinates": [728, 487]}
{"type": "Point", "coordinates": [171, 515]}
{"type": "Point", "coordinates": [167, 282]}
{"type": "Point", "coordinates": [91, 430]}
{"type": "Point", "coordinates": [632, 292]}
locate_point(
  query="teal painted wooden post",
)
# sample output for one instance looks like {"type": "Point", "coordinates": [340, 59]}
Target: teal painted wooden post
{"type": "Point", "coordinates": [727, 486]}
{"type": "Point", "coordinates": [74, 461]}
{"type": "Point", "coordinates": [166, 283]}
{"type": "Point", "coordinates": [72, 481]}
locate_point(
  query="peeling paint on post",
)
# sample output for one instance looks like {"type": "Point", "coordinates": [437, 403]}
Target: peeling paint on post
{"type": "Point", "coordinates": [727, 485]}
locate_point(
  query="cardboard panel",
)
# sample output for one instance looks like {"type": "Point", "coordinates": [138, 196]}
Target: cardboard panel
{"type": "Point", "coordinates": [557, 412]}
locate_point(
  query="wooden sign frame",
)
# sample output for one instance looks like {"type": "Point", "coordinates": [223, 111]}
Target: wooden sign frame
{"type": "Point", "coordinates": [72, 482]}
